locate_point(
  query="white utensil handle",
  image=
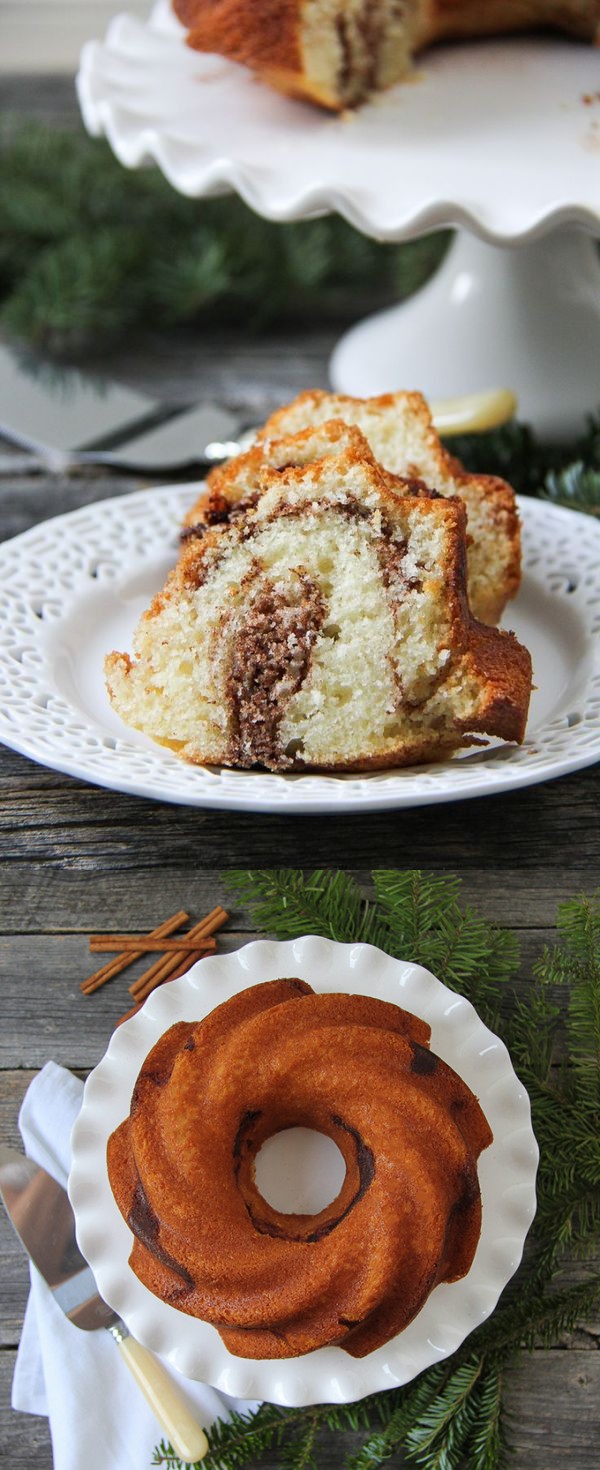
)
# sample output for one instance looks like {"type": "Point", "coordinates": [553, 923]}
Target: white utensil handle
{"type": "Point", "coordinates": [474, 412]}
{"type": "Point", "coordinates": [187, 1438]}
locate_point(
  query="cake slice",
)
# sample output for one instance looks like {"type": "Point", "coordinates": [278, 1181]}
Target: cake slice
{"type": "Point", "coordinates": [337, 52]}
{"type": "Point", "coordinates": [401, 435]}
{"type": "Point", "coordinates": [324, 628]}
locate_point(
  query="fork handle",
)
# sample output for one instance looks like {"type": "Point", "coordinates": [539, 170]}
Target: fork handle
{"type": "Point", "coordinates": [164, 1397]}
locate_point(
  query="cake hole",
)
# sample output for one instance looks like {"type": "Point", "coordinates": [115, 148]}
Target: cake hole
{"type": "Point", "coordinates": [299, 1171]}
{"type": "Point", "coordinates": [332, 630]}
{"type": "Point", "coordinates": [573, 719]}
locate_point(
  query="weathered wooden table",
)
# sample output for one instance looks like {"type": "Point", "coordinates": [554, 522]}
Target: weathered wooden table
{"type": "Point", "coordinates": [77, 859]}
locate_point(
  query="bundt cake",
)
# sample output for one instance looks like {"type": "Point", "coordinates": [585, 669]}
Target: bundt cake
{"type": "Point", "coordinates": [279, 1056]}
{"type": "Point", "coordinates": [400, 432]}
{"type": "Point", "coordinates": [337, 52]}
{"type": "Point", "coordinates": [324, 628]}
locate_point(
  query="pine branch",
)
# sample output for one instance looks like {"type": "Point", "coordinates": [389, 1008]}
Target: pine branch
{"type": "Point", "coordinates": [299, 1454]}
{"type": "Point", "coordinates": [176, 259]}
{"type": "Point", "coordinates": [416, 917]}
{"type": "Point", "coordinates": [577, 486]}
{"type": "Point", "coordinates": [242, 1438]}
{"type": "Point", "coordinates": [537, 1319]}
{"type": "Point", "coordinates": [579, 927]}
{"type": "Point", "coordinates": [426, 924]}
{"type": "Point", "coordinates": [403, 1407]}
{"type": "Point", "coordinates": [487, 1446]}
{"type": "Point", "coordinates": [437, 1420]}
{"type": "Point", "coordinates": [566, 474]}
{"type": "Point", "coordinates": [289, 904]}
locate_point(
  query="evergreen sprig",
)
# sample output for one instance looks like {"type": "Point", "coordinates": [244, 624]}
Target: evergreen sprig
{"type": "Point", "coordinates": [567, 474]}
{"type": "Point", "coordinates": [452, 1416]}
{"type": "Point", "coordinates": [415, 914]}
{"type": "Point", "coordinates": [90, 250]}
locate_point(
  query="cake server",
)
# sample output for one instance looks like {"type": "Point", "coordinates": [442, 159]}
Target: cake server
{"type": "Point", "coordinates": [42, 1215]}
{"type": "Point", "coordinates": [472, 413]}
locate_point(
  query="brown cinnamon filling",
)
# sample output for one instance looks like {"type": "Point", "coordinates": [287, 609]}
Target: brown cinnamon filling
{"type": "Point", "coordinates": [145, 1225]}
{"type": "Point", "coordinates": [271, 657]}
{"type": "Point", "coordinates": [345, 70]}
{"type": "Point", "coordinates": [218, 512]}
{"type": "Point", "coordinates": [370, 24]}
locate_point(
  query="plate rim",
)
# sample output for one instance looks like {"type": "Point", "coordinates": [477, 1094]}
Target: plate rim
{"type": "Point", "coordinates": [458, 1034]}
{"type": "Point", "coordinates": [310, 793]}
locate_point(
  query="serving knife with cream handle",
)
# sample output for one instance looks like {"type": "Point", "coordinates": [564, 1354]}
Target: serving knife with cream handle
{"type": "Point", "coordinates": [472, 413]}
{"type": "Point", "coordinates": [42, 1215]}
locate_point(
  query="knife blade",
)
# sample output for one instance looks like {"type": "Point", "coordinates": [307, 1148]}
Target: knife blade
{"type": "Point", "coordinates": [42, 1215]}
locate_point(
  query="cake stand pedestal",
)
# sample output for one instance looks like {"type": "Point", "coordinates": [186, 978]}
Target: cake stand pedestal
{"type": "Point", "coordinates": [527, 316]}
{"type": "Point", "coordinates": [497, 139]}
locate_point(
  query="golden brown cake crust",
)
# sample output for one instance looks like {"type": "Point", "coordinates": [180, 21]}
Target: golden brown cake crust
{"type": "Point", "coordinates": [262, 35]}
{"type": "Point", "coordinates": [490, 501]}
{"type": "Point", "coordinates": [456, 19]}
{"type": "Point", "coordinates": [445, 678]}
{"type": "Point", "coordinates": [498, 496]}
{"type": "Point", "coordinates": [279, 1056]}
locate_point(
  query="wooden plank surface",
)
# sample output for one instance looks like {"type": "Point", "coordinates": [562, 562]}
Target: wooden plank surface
{"type": "Point", "coordinates": [75, 859]}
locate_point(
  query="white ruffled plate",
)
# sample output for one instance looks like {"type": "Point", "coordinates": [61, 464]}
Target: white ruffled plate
{"type": "Point", "coordinates": [507, 1172]}
{"type": "Point", "coordinates": [495, 136]}
{"type": "Point", "coordinates": [73, 588]}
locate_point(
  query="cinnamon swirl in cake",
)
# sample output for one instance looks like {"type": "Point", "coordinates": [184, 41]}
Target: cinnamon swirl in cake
{"type": "Point", "coordinates": [337, 52]}
{"type": "Point", "coordinates": [325, 627]}
{"type": "Point", "coordinates": [402, 438]}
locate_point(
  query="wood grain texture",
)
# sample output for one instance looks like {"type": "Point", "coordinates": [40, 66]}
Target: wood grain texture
{"type": "Point", "coordinates": [76, 859]}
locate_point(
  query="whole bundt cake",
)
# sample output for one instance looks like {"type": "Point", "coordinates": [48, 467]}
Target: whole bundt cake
{"type": "Point", "coordinates": [279, 1056]}
{"type": "Point", "coordinates": [400, 432]}
{"type": "Point", "coordinates": [325, 627]}
{"type": "Point", "coordinates": [337, 52]}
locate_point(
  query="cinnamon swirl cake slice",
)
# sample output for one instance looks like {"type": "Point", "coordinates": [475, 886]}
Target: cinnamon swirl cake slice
{"type": "Point", "coordinates": [402, 437]}
{"type": "Point", "coordinates": [324, 628]}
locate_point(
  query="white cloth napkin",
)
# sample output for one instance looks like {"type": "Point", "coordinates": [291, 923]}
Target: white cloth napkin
{"type": "Point", "coordinates": [98, 1417]}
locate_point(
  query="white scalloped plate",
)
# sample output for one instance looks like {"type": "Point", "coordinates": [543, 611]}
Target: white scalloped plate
{"type": "Point", "coordinates": [507, 1171]}
{"type": "Point", "coordinates": [73, 588]}
{"type": "Point", "coordinates": [493, 135]}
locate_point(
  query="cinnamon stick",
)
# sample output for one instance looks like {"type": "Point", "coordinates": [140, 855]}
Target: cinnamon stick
{"type": "Point", "coordinates": [187, 963]}
{"type": "Point", "coordinates": [163, 969]}
{"type": "Point", "coordinates": [170, 971]}
{"type": "Point", "coordinates": [101, 944]}
{"type": "Point", "coordinates": [123, 960]}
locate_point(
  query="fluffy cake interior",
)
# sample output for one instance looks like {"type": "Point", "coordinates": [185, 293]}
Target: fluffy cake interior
{"type": "Point", "coordinates": [325, 628]}
{"type": "Point", "coordinates": [402, 438]}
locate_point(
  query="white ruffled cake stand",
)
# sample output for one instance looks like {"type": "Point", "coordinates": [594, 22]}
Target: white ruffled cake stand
{"type": "Point", "coordinates": [498, 139]}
